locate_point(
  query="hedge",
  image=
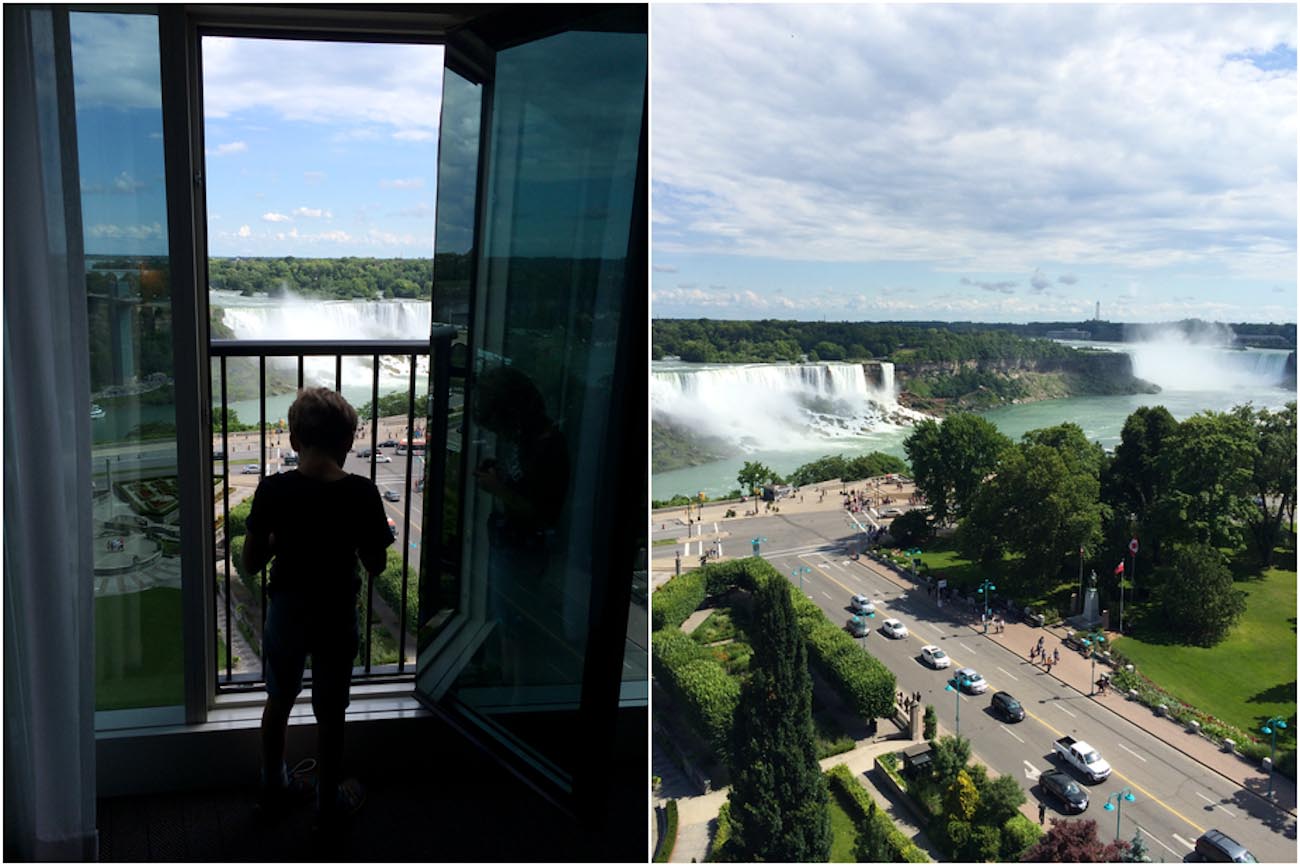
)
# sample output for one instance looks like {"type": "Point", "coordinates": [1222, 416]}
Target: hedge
{"type": "Point", "coordinates": [859, 678]}
{"type": "Point", "coordinates": [904, 850]}
{"type": "Point", "coordinates": [388, 584]}
{"type": "Point", "coordinates": [677, 599]}
{"type": "Point", "coordinates": [703, 685]}
{"type": "Point", "coordinates": [670, 834]}
{"type": "Point", "coordinates": [722, 835]}
{"type": "Point", "coordinates": [1018, 835]}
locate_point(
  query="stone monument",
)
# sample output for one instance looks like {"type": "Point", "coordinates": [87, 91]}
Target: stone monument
{"type": "Point", "coordinates": [1090, 618]}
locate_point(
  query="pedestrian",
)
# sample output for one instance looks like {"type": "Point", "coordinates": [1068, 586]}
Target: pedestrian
{"type": "Point", "coordinates": [1056, 656]}
{"type": "Point", "coordinates": [1033, 653]}
{"type": "Point", "coordinates": [1042, 812]}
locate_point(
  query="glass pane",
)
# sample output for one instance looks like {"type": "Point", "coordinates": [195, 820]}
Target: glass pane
{"type": "Point", "coordinates": [138, 654]}
{"type": "Point", "coordinates": [566, 126]}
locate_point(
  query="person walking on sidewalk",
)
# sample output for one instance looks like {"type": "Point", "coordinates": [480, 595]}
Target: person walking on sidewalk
{"type": "Point", "coordinates": [1042, 812]}
{"type": "Point", "coordinates": [1056, 656]}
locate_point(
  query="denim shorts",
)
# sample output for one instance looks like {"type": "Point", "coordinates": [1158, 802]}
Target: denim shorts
{"type": "Point", "coordinates": [299, 624]}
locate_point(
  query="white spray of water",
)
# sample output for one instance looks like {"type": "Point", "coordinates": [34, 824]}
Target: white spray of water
{"type": "Point", "coordinates": [1201, 361]}
{"type": "Point", "coordinates": [776, 405]}
{"type": "Point", "coordinates": [294, 318]}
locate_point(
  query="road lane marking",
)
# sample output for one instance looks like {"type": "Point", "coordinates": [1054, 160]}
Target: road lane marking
{"type": "Point", "coordinates": [963, 646]}
{"type": "Point", "coordinates": [1031, 772]}
{"type": "Point", "coordinates": [1212, 803]}
{"type": "Point", "coordinates": [1131, 752]}
{"type": "Point", "coordinates": [1009, 731]}
{"type": "Point", "coordinates": [1134, 785]}
{"type": "Point", "coordinates": [1153, 838]}
{"type": "Point", "coordinates": [1016, 678]}
{"type": "Point", "coordinates": [1062, 708]}
{"type": "Point", "coordinates": [827, 594]}
{"type": "Point", "coordinates": [1184, 841]}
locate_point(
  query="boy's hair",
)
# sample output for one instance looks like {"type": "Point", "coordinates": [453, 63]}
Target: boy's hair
{"type": "Point", "coordinates": [322, 418]}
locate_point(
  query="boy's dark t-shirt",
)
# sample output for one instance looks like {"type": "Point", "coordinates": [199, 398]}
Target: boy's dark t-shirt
{"type": "Point", "coordinates": [319, 527]}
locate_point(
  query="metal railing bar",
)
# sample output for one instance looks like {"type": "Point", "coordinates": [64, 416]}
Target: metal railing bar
{"type": "Point", "coordinates": [370, 578]}
{"type": "Point", "coordinates": [225, 517]}
{"type": "Point", "coordinates": [406, 515]}
{"type": "Point", "coordinates": [346, 348]}
{"type": "Point", "coordinates": [338, 373]}
{"type": "Point", "coordinates": [300, 366]}
{"type": "Point", "coordinates": [261, 473]}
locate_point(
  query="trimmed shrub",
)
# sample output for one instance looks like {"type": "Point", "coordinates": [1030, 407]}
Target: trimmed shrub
{"type": "Point", "coordinates": [669, 839]}
{"type": "Point", "coordinates": [858, 803]}
{"type": "Point", "coordinates": [238, 524]}
{"type": "Point", "coordinates": [930, 723]}
{"type": "Point", "coordinates": [677, 599]}
{"type": "Point", "coordinates": [721, 836]}
{"type": "Point", "coordinates": [984, 845]}
{"type": "Point", "coordinates": [709, 694]}
{"type": "Point", "coordinates": [388, 585]}
{"type": "Point", "coordinates": [1019, 834]}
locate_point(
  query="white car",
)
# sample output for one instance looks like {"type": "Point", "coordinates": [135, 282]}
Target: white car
{"type": "Point", "coordinates": [935, 657]}
{"type": "Point", "coordinates": [861, 604]}
{"type": "Point", "coordinates": [970, 681]}
{"type": "Point", "coordinates": [382, 458]}
{"type": "Point", "coordinates": [252, 469]}
{"type": "Point", "coordinates": [893, 628]}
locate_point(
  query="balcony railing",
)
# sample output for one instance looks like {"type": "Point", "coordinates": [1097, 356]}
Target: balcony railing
{"type": "Point", "coordinates": [240, 606]}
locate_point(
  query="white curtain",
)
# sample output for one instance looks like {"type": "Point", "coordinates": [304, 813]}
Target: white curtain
{"type": "Point", "coordinates": [49, 689]}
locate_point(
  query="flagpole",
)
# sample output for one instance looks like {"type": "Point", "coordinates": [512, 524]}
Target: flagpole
{"type": "Point", "coordinates": [1121, 596]}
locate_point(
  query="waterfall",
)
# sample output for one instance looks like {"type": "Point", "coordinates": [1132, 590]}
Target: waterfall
{"type": "Point", "coordinates": [1179, 365]}
{"type": "Point", "coordinates": [774, 405]}
{"type": "Point", "coordinates": [295, 318]}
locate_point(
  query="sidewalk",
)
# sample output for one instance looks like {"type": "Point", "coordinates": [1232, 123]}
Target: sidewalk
{"type": "Point", "coordinates": [1075, 671]}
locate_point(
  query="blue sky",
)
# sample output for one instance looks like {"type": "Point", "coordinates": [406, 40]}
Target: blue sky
{"type": "Point", "coordinates": [311, 149]}
{"type": "Point", "coordinates": [989, 163]}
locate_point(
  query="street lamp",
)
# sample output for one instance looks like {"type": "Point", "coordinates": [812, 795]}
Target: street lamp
{"type": "Point", "coordinates": [955, 685]}
{"type": "Point", "coordinates": [984, 588]}
{"type": "Point", "coordinates": [915, 554]}
{"type": "Point", "coordinates": [1118, 806]}
{"type": "Point", "coordinates": [1091, 642]}
{"type": "Point", "coordinates": [799, 573]}
{"type": "Point", "coordinates": [1270, 728]}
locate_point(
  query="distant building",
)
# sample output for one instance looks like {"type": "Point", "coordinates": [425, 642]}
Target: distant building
{"type": "Point", "coordinates": [1069, 334]}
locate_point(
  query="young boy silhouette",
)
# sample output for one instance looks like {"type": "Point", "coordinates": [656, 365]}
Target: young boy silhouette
{"type": "Point", "coordinates": [316, 522]}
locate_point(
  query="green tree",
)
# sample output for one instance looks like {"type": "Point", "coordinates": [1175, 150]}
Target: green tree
{"type": "Point", "coordinates": [949, 757]}
{"type": "Point", "coordinates": [828, 351]}
{"type": "Point", "coordinates": [951, 460]}
{"type": "Point", "coordinates": [960, 799]}
{"type": "Point", "coordinates": [911, 528]}
{"type": "Point", "coordinates": [930, 723]}
{"type": "Point", "coordinates": [1137, 850]}
{"type": "Point", "coordinates": [1210, 461]}
{"type": "Point", "coordinates": [985, 844]}
{"type": "Point", "coordinates": [1044, 503]}
{"type": "Point", "coordinates": [1136, 477]}
{"type": "Point", "coordinates": [1273, 477]}
{"type": "Point", "coordinates": [1199, 603]}
{"type": "Point", "coordinates": [1000, 799]}
{"type": "Point", "coordinates": [872, 846]}
{"type": "Point", "coordinates": [753, 474]}
{"type": "Point", "coordinates": [778, 795]}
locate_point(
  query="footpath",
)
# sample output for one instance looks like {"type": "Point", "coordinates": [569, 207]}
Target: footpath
{"type": "Point", "coordinates": [695, 814]}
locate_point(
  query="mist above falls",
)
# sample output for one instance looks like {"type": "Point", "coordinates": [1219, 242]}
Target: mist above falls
{"type": "Point", "coordinates": [1201, 360]}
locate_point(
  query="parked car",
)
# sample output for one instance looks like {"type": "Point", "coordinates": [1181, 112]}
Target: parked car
{"type": "Point", "coordinates": [1007, 707]}
{"type": "Point", "coordinates": [892, 512]}
{"type": "Point", "coordinates": [392, 496]}
{"type": "Point", "coordinates": [252, 469]}
{"type": "Point", "coordinates": [382, 458]}
{"type": "Point", "coordinates": [935, 657]}
{"type": "Point", "coordinates": [857, 626]}
{"type": "Point", "coordinates": [388, 443]}
{"type": "Point", "coordinates": [1215, 846]}
{"type": "Point", "coordinates": [1062, 786]}
{"type": "Point", "coordinates": [893, 628]}
{"type": "Point", "coordinates": [970, 681]}
{"type": "Point", "coordinates": [861, 604]}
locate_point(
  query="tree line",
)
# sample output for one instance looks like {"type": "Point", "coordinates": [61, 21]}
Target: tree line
{"type": "Point", "coordinates": [341, 278]}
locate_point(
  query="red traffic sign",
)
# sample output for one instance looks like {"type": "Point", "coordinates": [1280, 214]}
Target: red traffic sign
{"type": "Point", "coordinates": [1133, 545]}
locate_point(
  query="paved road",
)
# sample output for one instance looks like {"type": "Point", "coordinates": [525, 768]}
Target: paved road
{"type": "Point", "coordinates": [1176, 798]}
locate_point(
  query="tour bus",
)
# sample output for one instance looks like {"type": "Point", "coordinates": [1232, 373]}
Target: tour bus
{"type": "Point", "coordinates": [416, 446]}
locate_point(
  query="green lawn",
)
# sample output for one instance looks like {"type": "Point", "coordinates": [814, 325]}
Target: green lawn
{"type": "Point", "coordinates": [138, 653]}
{"type": "Point", "coordinates": [844, 834]}
{"type": "Point", "coordinates": [1248, 677]}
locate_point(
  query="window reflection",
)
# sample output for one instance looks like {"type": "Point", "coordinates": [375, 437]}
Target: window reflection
{"type": "Point", "coordinates": [136, 509]}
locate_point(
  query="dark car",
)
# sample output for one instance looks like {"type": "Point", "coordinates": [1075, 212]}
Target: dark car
{"type": "Point", "coordinates": [363, 452]}
{"type": "Point", "coordinates": [388, 443]}
{"type": "Point", "coordinates": [1062, 786]}
{"type": "Point", "coordinates": [1007, 707]}
{"type": "Point", "coordinates": [1215, 846]}
{"type": "Point", "coordinates": [291, 458]}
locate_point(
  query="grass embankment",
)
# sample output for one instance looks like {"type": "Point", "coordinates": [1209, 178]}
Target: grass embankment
{"type": "Point", "coordinates": [1251, 675]}
{"type": "Point", "coordinates": [844, 834]}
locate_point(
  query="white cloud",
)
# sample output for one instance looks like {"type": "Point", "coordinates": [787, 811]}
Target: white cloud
{"type": "Point", "coordinates": [665, 269]}
{"type": "Point", "coordinates": [416, 135]}
{"type": "Point", "coordinates": [403, 183]}
{"type": "Point", "coordinates": [313, 213]}
{"type": "Point", "coordinates": [273, 217]}
{"type": "Point", "coordinates": [228, 148]}
{"type": "Point", "coordinates": [977, 137]}
{"type": "Point", "coordinates": [140, 231]}
{"type": "Point", "coordinates": [340, 236]}
{"type": "Point", "coordinates": [245, 232]}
